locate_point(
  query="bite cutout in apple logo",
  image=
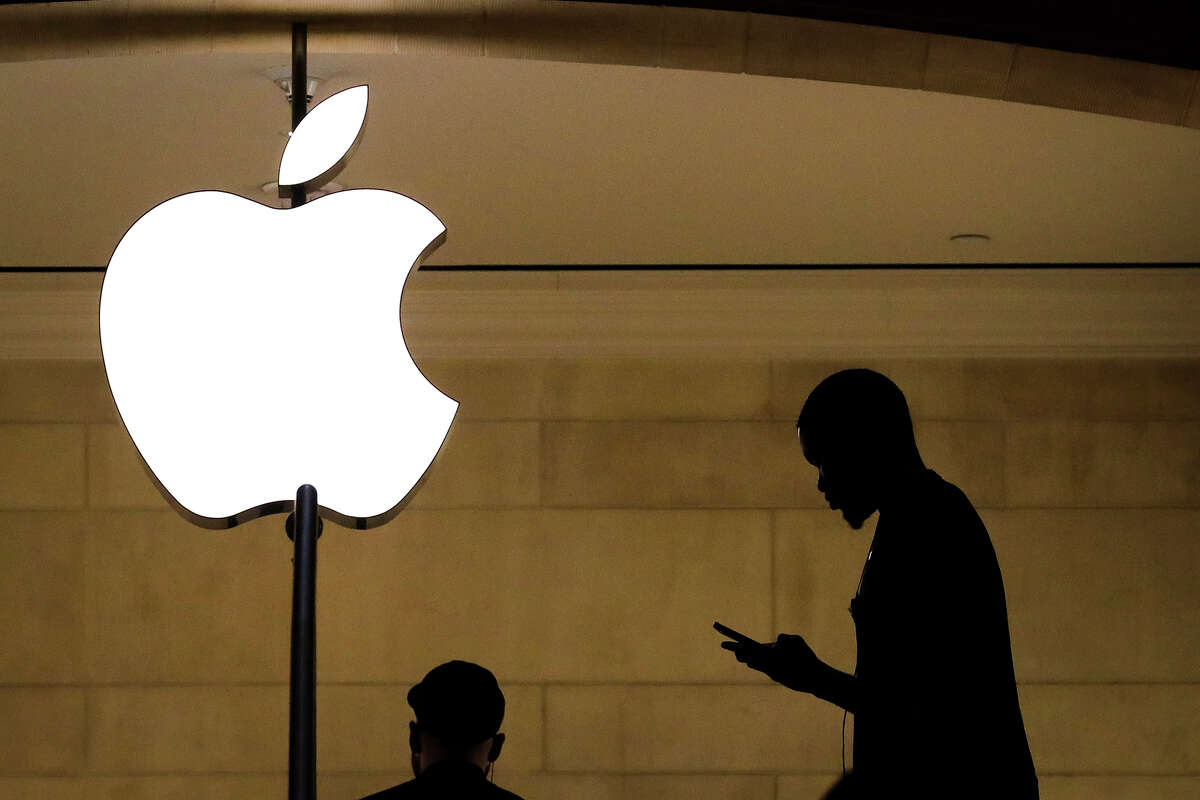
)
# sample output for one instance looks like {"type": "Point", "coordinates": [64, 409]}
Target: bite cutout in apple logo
{"type": "Point", "coordinates": [251, 350]}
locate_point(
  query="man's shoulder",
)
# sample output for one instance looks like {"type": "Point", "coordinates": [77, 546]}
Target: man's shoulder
{"type": "Point", "coordinates": [937, 499]}
{"type": "Point", "coordinates": [391, 793]}
{"type": "Point", "coordinates": [939, 522]}
{"type": "Point", "coordinates": [503, 794]}
{"type": "Point", "coordinates": [413, 790]}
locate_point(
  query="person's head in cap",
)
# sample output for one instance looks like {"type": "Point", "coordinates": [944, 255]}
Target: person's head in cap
{"type": "Point", "coordinates": [459, 708]}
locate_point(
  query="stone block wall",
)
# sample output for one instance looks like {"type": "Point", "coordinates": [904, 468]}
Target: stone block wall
{"type": "Point", "coordinates": [587, 522]}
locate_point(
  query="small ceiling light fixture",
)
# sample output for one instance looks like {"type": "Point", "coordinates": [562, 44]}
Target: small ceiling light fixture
{"type": "Point", "coordinates": [970, 237]}
{"type": "Point", "coordinates": [282, 77]}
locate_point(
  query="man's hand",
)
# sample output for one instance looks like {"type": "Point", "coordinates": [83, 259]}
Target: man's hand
{"type": "Point", "coordinates": [788, 661]}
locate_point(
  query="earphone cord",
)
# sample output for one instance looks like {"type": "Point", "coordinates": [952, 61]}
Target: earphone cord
{"type": "Point", "coordinates": [844, 712]}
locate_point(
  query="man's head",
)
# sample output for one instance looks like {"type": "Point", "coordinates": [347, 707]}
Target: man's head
{"type": "Point", "coordinates": [459, 708]}
{"type": "Point", "coordinates": [856, 430]}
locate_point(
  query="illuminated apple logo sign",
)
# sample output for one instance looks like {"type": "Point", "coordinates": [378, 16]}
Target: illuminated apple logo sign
{"type": "Point", "coordinates": [251, 350]}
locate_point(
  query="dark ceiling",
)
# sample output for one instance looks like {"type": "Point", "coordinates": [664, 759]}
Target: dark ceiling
{"type": "Point", "coordinates": [1153, 31]}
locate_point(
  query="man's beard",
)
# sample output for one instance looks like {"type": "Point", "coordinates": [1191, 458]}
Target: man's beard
{"type": "Point", "coordinates": [856, 519]}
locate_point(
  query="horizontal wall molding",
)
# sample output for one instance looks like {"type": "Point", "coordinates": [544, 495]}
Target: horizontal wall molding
{"type": "Point", "coordinates": [958, 266]}
{"type": "Point", "coordinates": [833, 313]}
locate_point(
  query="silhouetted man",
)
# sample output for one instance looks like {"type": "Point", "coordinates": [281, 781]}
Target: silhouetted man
{"type": "Point", "coordinates": [456, 737]}
{"type": "Point", "coordinates": [934, 696]}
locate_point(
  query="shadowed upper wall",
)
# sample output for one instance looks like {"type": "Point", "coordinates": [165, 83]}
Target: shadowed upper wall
{"type": "Point", "coordinates": [613, 33]}
{"type": "Point", "coordinates": [565, 133]}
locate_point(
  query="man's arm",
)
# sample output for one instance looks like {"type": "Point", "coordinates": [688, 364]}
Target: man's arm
{"type": "Point", "coordinates": [791, 662]}
{"type": "Point", "coordinates": [837, 687]}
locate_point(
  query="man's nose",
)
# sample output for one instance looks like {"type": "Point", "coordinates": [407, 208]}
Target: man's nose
{"type": "Point", "coordinates": [821, 480]}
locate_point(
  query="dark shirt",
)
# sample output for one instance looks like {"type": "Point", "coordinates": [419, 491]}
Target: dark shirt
{"type": "Point", "coordinates": [446, 780]}
{"type": "Point", "coordinates": [937, 699]}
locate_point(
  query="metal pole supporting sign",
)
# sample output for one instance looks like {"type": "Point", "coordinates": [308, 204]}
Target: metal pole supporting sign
{"type": "Point", "coordinates": [299, 88]}
{"type": "Point", "coordinates": [303, 526]}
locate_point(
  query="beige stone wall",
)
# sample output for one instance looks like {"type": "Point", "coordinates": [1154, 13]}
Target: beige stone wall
{"type": "Point", "coordinates": [586, 524]}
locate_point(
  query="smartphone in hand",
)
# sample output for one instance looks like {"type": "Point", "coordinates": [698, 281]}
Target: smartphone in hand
{"type": "Point", "coordinates": [729, 632]}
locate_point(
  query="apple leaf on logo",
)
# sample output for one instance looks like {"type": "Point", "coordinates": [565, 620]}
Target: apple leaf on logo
{"type": "Point", "coordinates": [325, 139]}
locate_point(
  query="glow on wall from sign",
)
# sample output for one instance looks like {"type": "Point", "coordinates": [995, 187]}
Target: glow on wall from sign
{"type": "Point", "coordinates": [251, 350]}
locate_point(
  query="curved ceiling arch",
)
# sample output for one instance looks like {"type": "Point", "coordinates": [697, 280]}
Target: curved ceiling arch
{"type": "Point", "coordinates": [564, 134]}
{"type": "Point", "coordinates": [615, 33]}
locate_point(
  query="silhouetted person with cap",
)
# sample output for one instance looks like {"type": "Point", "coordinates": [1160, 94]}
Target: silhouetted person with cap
{"type": "Point", "coordinates": [934, 696]}
{"type": "Point", "coordinates": [456, 737]}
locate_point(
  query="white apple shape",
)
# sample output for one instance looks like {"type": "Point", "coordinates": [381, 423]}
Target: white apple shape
{"type": "Point", "coordinates": [251, 350]}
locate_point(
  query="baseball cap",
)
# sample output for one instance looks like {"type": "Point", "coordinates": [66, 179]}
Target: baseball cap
{"type": "Point", "coordinates": [459, 702]}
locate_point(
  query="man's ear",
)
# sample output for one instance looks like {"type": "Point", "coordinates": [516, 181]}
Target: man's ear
{"type": "Point", "coordinates": [494, 750]}
{"type": "Point", "coordinates": [414, 737]}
